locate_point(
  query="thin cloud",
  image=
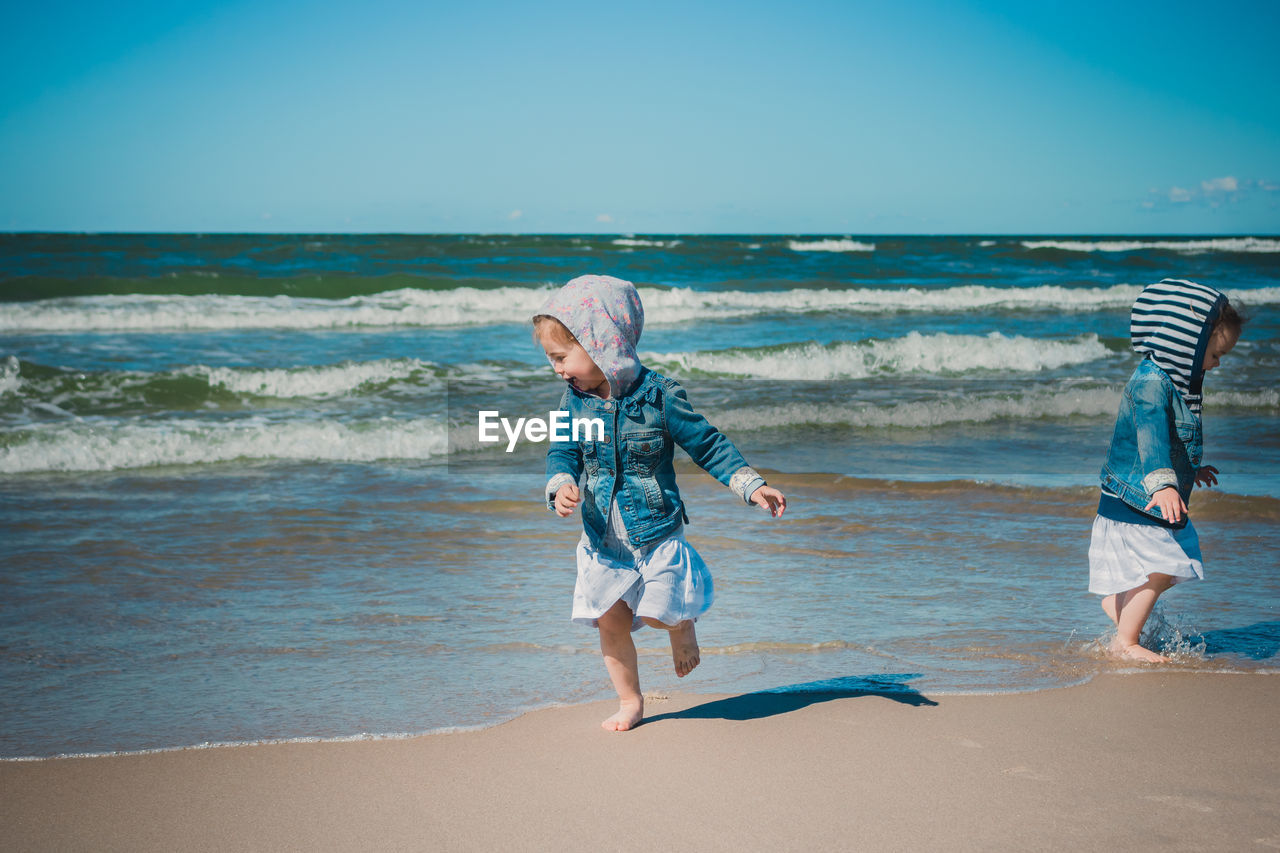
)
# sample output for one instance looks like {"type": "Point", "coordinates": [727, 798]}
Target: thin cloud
{"type": "Point", "coordinates": [1220, 185]}
{"type": "Point", "coordinates": [1211, 192]}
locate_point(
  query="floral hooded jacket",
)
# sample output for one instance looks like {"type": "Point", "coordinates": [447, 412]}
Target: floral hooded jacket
{"type": "Point", "coordinates": [645, 417]}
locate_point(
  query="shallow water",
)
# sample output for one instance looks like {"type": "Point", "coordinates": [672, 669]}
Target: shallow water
{"type": "Point", "coordinates": [241, 495]}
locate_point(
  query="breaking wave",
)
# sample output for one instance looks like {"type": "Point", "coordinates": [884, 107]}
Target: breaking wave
{"type": "Point", "coordinates": [845, 245]}
{"type": "Point", "coordinates": [1075, 402]}
{"type": "Point", "coordinates": [466, 306]}
{"type": "Point", "coordinates": [113, 445]}
{"type": "Point", "coordinates": [1220, 244]}
{"type": "Point", "coordinates": [57, 390]}
{"type": "Point", "coordinates": [911, 353]}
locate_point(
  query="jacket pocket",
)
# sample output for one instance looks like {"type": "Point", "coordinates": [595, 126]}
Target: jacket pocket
{"type": "Point", "coordinates": [642, 451]}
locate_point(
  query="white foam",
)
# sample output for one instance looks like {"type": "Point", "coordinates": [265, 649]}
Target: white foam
{"type": "Point", "coordinates": [468, 306]}
{"type": "Point", "coordinates": [106, 391]}
{"type": "Point", "coordinates": [684, 304]}
{"type": "Point", "coordinates": [631, 241]}
{"type": "Point", "coordinates": [110, 445]}
{"type": "Point", "coordinates": [463, 306]}
{"type": "Point", "coordinates": [844, 245]}
{"type": "Point", "coordinates": [1074, 402]}
{"type": "Point", "coordinates": [911, 353]}
{"type": "Point", "coordinates": [10, 380]}
{"type": "Point", "coordinates": [314, 382]}
{"type": "Point", "coordinates": [1268, 399]}
{"type": "Point", "coordinates": [1194, 247]}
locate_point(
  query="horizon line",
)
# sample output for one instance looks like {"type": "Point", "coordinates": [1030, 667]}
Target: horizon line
{"type": "Point", "coordinates": [825, 234]}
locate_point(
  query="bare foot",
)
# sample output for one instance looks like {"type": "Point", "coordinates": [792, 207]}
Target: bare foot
{"type": "Point", "coordinates": [1133, 651]}
{"type": "Point", "coordinates": [684, 648]}
{"type": "Point", "coordinates": [1109, 608]}
{"type": "Point", "coordinates": [630, 712]}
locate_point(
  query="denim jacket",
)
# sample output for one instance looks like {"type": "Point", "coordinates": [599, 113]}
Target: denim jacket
{"type": "Point", "coordinates": [633, 462]}
{"type": "Point", "coordinates": [1157, 442]}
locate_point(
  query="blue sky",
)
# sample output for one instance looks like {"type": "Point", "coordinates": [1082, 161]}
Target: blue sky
{"type": "Point", "coordinates": [715, 117]}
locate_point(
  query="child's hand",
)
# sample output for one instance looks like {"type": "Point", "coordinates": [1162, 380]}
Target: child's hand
{"type": "Point", "coordinates": [1172, 508]}
{"type": "Point", "coordinates": [1206, 475]}
{"type": "Point", "coordinates": [771, 499]}
{"type": "Point", "coordinates": [567, 499]}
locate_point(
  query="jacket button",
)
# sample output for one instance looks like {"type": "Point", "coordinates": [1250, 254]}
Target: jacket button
{"type": "Point", "coordinates": [644, 446]}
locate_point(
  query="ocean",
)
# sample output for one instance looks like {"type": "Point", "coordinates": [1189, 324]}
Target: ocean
{"type": "Point", "coordinates": [243, 496]}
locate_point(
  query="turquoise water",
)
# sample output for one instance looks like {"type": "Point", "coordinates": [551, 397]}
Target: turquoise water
{"type": "Point", "coordinates": [241, 496]}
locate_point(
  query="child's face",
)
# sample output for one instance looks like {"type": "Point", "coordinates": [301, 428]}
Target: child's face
{"type": "Point", "coordinates": [572, 364]}
{"type": "Point", "coordinates": [1220, 343]}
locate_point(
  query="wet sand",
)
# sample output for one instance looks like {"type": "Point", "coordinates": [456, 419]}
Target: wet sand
{"type": "Point", "coordinates": [1150, 761]}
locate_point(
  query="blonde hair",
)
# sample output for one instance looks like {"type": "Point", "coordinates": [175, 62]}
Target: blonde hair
{"type": "Point", "coordinates": [546, 324]}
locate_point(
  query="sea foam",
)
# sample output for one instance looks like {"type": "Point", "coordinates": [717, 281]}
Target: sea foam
{"type": "Point", "coordinates": [10, 378]}
{"type": "Point", "coordinates": [466, 306]}
{"type": "Point", "coordinates": [634, 242]}
{"type": "Point", "coordinates": [315, 382]}
{"type": "Point", "coordinates": [911, 353]}
{"type": "Point", "coordinates": [1220, 244]}
{"type": "Point", "coordinates": [111, 445]}
{"type": "Point", "coordinates": [200, 386]}
{"type": "Point", "coordinates": [684, 304]}
{"type": "Point", "coordinates": [845, 245]}
{"type": "Point", "coordinates": [1265, 399]}
{"type": "Point", "coordinates": [982, 408]}
{"type": "Point", "coordinates": [463, 306]}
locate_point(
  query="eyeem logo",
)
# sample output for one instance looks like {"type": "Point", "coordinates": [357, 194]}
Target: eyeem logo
{"type": "Point", "coordinates": [558, 427]}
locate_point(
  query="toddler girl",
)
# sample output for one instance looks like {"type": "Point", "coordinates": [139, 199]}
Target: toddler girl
{"type": "Point", "coordinates": [634, 565]}
{"type": "Point", "coordinates": [1143, 542]}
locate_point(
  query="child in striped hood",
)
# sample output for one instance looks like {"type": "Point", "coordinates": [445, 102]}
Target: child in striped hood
{"type": "Point", "coordinates": [1143, 542]}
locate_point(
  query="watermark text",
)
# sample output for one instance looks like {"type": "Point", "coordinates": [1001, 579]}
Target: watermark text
{"type": "Point", "coordinates": [557, 427]}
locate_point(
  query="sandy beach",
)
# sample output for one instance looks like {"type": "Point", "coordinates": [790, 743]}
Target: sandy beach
{"type": "Point", "coordinates": [1148, 761]}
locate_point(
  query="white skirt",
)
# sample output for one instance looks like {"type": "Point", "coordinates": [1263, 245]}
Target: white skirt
{"type": "Point", "coordinates": [1123, 556]}
{"type": "Point", "coordinates": [667, 581]}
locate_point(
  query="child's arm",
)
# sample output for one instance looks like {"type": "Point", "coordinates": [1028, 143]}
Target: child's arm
{"type": "Point", "coordinates": [1153, 422]}
{"type": "Point", "coordinates": [1172, 507]}
{"type": "Point", "coordinates": [771, 499]}
{"type": "Point", "coordinates": [1170, 503]}
{"type": "Point", "coordinates": [566, 499]}
{"type": "Point", "coordinates": [715, 453]}
{"type": "Point", "coordinates": [564, 467]}
{"type": "Point", "coordinates": [1152, 419]}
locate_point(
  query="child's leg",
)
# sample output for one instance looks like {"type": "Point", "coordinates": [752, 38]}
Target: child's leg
{"type": "Point", "coordinates": [685, 653]}
{"type": "Point", "coordinates": [619, 652]}
{"type": "Point", "coordinates": [1132, 607]}
{"type": "Point", "coordinates": [1109, 608]}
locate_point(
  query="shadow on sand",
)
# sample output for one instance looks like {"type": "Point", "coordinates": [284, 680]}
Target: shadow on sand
{"type": "Point", "coordinates": [792, 697]}
{"type": "Point", "coordinates": [1257, 642]}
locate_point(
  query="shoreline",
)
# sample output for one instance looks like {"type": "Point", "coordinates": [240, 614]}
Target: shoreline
{"type": "Point", "coordinates": [1145, 760]}
{"type": "Point", "coordinates": [373, 737]}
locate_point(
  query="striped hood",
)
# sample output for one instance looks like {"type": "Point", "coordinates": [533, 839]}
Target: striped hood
{"type": "Point", "coordinates": [1171, 323]}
